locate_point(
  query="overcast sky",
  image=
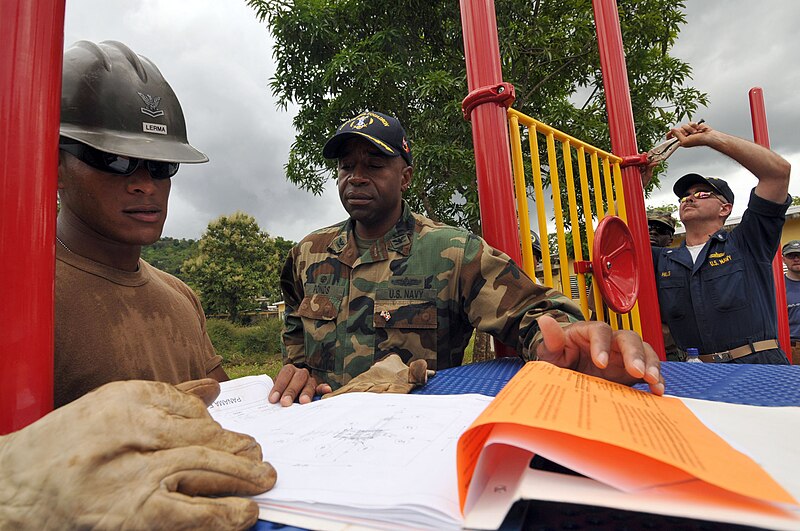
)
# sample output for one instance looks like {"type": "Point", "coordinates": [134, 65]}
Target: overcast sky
{"type": "Point", "coordinates": [217, 57]}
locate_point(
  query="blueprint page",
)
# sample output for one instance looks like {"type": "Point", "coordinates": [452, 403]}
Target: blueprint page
{"type": "Point", "coordinates": [361, 451]}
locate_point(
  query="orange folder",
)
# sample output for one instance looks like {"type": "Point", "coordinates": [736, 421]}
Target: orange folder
{"type": "Point", "coordinates": [628, 439]}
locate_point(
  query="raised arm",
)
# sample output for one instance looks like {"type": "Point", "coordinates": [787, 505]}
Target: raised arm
{"type": "Point", "coordinates": [771, 170]}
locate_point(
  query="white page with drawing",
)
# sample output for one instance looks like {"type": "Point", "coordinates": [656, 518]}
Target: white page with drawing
{"type": "Point", "coordinates": [380, 457]}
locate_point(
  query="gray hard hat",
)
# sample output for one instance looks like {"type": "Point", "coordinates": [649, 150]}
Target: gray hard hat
{"type": "Point", "coordinates": [117, 101]}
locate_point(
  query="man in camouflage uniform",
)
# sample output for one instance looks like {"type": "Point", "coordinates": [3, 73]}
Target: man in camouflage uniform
{"type": "Point", "coordinates": [388, 280]}
{"type": "Point", "coordinates": [661, 226]}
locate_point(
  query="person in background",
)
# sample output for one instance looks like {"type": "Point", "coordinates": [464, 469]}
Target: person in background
{"type": "Point", "coordinates": [716, 290]}
{"type": "Point", "coordinates": [389, 281]}
{"type": "Point", "coordinates": [536, 249]}
{"type": "Point", "coordinates": [122, 139]}
{"type": "Point", "coordinates": [661, 226]}
{"type": "Point", "coordinates": [791, 259]}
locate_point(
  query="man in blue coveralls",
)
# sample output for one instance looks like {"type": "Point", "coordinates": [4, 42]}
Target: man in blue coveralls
{"type": "Point", "coordinates": [716, 290]}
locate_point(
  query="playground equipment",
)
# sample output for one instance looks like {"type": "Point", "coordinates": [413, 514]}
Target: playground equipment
{"type": "Point", "coordinates": [487, 100]}
{"type": "Point", "coordinates": [486, 104]}
{"type": "Point", "coordinates": [606, 203]}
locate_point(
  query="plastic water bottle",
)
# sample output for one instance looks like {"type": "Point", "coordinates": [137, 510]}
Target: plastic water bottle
{"type": "Point", "coordinates": [693, 355]}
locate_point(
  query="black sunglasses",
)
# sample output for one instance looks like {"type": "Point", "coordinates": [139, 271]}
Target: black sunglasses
{"type": "Point", "coordinates": [117, 164]}
{"type": "Point", "coordinates": [660, 229]}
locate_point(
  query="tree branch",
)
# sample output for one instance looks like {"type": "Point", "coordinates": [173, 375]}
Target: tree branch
{"type": "Point", "coordinates": [553, 73]}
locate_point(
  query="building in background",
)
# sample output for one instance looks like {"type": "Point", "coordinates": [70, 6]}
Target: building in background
{"type": "Point", "coordinates": [791, 229]}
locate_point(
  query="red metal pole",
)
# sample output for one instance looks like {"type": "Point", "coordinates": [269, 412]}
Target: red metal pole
{"type": "Point", "coordinates": [623, 144]}
{"type": "Point", "coordinates": [31, 47]}
{"type": "Point", "coordinates": [490, 129]}
{"type": "Point", "coordinates": [758, 115]}
{"type": "Point", "coordinates": [490, 132]}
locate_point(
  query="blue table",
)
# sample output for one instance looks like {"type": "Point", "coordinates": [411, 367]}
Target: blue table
{"type": "Point", "coordinates": [757, 385]}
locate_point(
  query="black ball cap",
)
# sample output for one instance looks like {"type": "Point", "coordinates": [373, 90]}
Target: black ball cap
{"type": "Point", "coordinates": [383, 131]}
{"type": "Point", "coordinates": [690, 179]}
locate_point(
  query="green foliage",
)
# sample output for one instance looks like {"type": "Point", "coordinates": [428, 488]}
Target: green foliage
{"type": "Point", "coordinates": [666, 209]}
{"type": "Point", "coordinates": [568, 240]}
{"type": "Point", "coordinates": [247, 349]}
{"type": "Point", "coordinates": [262, 338]}
{"type": "Point", "coordinates": [169, 254]}
{"type": "Point", "coordinates": [279, 251]}
{"type": "Point", "coordinates": [237, 343]}
{"type": "Point", "coordinates": [223, 336]}
{"type": "Point", "coordinates": [796, 200]}
{"type": "Point", "coordinates": [335, 58]}
{"type": "Point", "coordinates": [233, 265]}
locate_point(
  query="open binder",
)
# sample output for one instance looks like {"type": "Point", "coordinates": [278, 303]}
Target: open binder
{"type": "Point", "coordinates": [367, 461]}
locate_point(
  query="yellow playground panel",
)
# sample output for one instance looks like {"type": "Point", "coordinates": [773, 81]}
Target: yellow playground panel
{"type": "Point", "coordinates": [600, 197]}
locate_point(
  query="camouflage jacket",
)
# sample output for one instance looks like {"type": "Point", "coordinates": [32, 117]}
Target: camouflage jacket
{"type": "Point", "coordinates": [419, 292]}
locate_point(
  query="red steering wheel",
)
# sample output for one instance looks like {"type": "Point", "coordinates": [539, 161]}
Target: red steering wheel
{"type": "Point", "coordinates": [614, 264]}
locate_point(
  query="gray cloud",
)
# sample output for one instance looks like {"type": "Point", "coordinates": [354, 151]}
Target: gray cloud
{"type": "Point", "coordinates": [733, 46]}
{"type": "Point", "coordinates": [217, 57]}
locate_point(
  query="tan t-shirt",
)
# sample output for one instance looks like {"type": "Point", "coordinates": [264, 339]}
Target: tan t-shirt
{"type": "Point", "coordinates": [116, 325]}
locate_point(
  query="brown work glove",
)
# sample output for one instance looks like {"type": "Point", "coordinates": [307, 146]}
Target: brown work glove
{"type": "Point", "coordinates": [389, 375]}
{"type": "Point", "coordinates": [131, 455]}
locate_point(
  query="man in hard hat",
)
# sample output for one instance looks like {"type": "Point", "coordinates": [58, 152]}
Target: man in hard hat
{"type": "Point", "coordinates": [389, 281]}
{"type": "Point", "coordinates": [716, 291]}
{"type": "Point", "coordinates": [122, 139]}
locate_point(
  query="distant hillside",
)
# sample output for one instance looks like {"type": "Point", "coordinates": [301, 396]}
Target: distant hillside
{"type": "Point", "coordinates": [168, 254]}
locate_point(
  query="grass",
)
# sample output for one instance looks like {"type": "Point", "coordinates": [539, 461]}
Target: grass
{"type": "Point", "coordinates": [269, 367]}
{"type": "Point", "coordinates": [255, 349]}
{"type": "Point", "coordinates": [247, 350]}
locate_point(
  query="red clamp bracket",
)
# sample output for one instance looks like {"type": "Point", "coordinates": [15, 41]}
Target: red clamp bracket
{"type": "Point", "coordinates": [502, 93]}
{"type": "Point", "coordinates": [634, 160]}
{"type": "Point", "coordinates": [582, 266]}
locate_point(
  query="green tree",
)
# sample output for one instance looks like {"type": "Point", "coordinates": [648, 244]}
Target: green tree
{"type": "Point", "coordinates": [335, 58]}
{"type": "Point", "coordinates": [169, 254]}
{"type": "Point", "coordinates": [668, 208]}
{"type": "Point", "coordinates": [231, 268]}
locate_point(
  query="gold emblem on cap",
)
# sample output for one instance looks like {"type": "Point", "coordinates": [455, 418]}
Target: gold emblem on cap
{"type": "Point", "coordinates": [365, 119]}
